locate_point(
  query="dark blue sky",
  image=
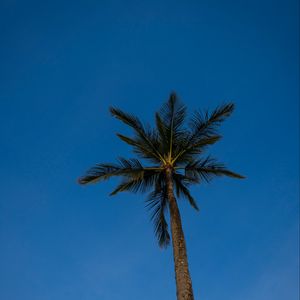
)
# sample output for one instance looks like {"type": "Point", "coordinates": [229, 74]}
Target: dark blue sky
{"type": "Point", "coordinates": [63, 63]}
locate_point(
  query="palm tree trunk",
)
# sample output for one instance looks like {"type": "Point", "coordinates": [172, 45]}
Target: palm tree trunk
{"type": "Point", "coordinates": [182, 274]}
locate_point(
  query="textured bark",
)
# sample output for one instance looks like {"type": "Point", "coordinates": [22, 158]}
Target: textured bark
{"type": "Point", "coordinates": [182, 274]}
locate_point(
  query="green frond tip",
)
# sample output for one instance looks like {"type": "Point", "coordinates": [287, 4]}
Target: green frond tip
{"type": "Point", "coordinates": [83, 180]}
{"type": "Point", "coordinates": [233, 174]}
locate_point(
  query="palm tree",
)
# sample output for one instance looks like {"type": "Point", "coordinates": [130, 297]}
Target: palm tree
{"type": "Point", "coordinates": [175, 153]}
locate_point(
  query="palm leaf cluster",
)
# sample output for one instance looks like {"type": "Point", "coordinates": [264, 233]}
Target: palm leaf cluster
{"type": "Point", "coordinates": [173, 143]}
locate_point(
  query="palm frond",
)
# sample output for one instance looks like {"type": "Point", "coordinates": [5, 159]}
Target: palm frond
{"type": "Point", "coordinates": [157, 203]}
{"type": "Point", "coordinates": [161, 128]}
{"type": "Point", "coordinates": [203, 132]}
{"type": "Point", "coordinates": [207, 169]}
{"type": "Point", "coordinates": [140, 148]}
{"type": "Point", "coordinates": [173, 112]}
{"type": "Point", "coordinates": [131, 168]}
{"type": "Point", "coordinates": [181, 183]}
{"type": "Point", "coordinates": [99, 172]}
{"type": "Point", "coordinates": [186, 150]}
{"type": "Point", "coordinates": [206, 124]}
{"type": "Point", "coordinates": [169, 121]}
{"type": "Point", "coordinates": [140, 182]}
{"type": "Point", "coordinates": [145, 138]}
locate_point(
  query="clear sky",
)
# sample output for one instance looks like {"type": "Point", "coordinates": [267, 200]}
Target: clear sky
{"type": "Point", "coordinates": [63, 63]}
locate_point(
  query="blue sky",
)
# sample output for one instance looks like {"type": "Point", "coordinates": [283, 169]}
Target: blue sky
{"type": "Point", "coordinates": [63, 63]}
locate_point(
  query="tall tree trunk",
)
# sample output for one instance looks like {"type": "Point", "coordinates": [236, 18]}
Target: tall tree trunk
{"type": "Point", "coordinates": [182, 274]}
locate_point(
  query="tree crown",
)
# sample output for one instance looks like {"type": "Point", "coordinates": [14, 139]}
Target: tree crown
{"type": "Point", "coordinates": [174, 144]}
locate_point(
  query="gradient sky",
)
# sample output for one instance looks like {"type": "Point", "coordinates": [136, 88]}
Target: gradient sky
{"type": "Point", "coordinates": [63, 63]}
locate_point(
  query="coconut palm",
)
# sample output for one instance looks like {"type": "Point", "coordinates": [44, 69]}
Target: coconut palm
{"type": "Point", "coordinates": [169, 160]}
